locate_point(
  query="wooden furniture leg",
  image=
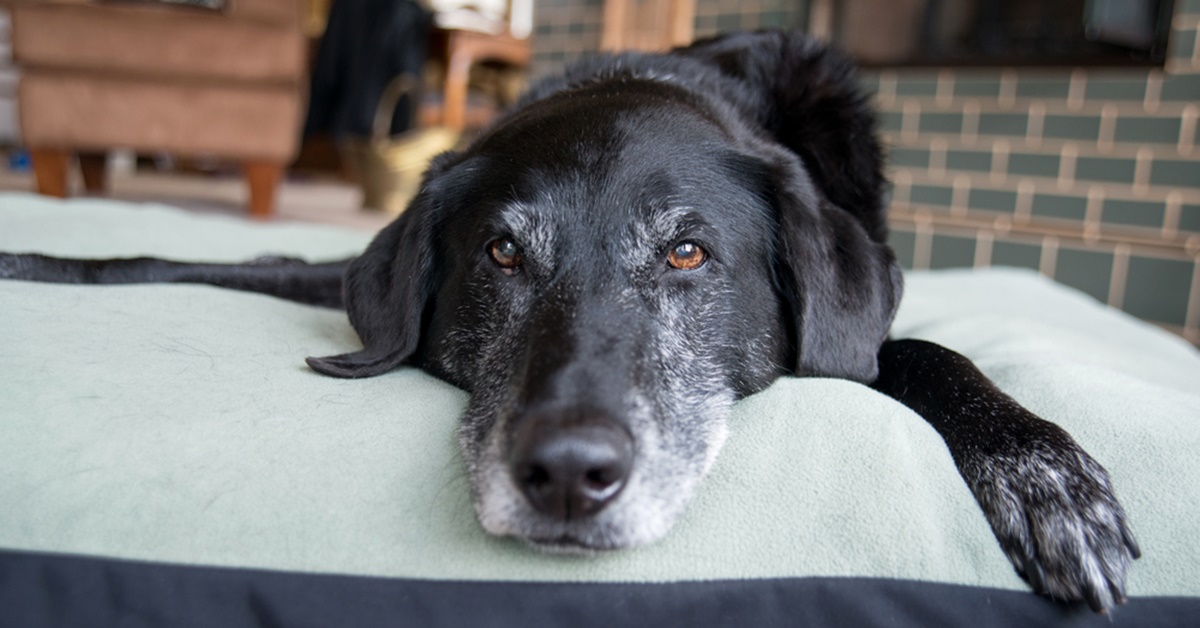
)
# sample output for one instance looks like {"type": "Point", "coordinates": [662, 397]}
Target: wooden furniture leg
{"type": "Point", "coordinates": [263, 178]}
{"type": "Point", "coordinates": [50, 170]}
{"type": "Point", "coordinates": [94, 168]}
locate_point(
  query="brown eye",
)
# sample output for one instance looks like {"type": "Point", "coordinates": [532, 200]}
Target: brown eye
{"type": "Point", "coordinates": [687, 256]}
{"type": "Point", "coordinates": [506, 254]}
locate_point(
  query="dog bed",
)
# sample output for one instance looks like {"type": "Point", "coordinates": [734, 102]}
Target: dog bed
{"type": "Point", "coordinates": [166, 458]}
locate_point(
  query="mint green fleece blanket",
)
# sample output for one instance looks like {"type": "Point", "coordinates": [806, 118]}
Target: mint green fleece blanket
{"type": "Point", "coordinates": [179, 423]}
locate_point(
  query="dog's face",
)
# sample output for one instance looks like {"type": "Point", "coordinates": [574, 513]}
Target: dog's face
{"type": "Point", "coordinates": [605, 274]}
{"type": "Point", "coordinates": [606, 288]}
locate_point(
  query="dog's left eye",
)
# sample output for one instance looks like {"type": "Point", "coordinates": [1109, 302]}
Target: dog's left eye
{"type": "Point", "coordinates": [687, 256]}
{"type": "Point", "coordinates": [506, 254]}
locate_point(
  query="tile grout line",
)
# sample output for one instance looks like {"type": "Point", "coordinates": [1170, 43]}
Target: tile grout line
{"type": "Point", "coordinates": [1120, 272]}
{"type": "Point", "coordinates": [1049, 259]}
{"type": "Point", "coordinates": [1076, 90]}
{"type": "Point", "coordinates": [1172, 214]}
{"type": "Point", "coordinates": [1191, 323]}
{"type": "Point", "coordinates": [983, 249]}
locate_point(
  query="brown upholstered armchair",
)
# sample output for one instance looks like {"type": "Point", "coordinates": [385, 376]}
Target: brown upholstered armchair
{"type": "Point", "coordinates": [152, 77]}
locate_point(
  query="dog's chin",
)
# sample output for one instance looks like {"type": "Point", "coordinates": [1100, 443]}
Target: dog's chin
{"type": "Point", "coordinates": [567, 545]}
{"type": "Point", "coordinates": [610, 531]}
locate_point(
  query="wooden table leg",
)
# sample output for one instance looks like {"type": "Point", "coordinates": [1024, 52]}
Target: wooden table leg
{"type": "Point", "coordinates": [263, 178]}
{"type": "Point", "coordinates": [50, 170]}
{"type": "Point", "coordinates": [95, 169]}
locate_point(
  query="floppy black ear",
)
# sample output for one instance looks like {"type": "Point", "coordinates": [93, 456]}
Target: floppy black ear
{"type": "Point", "coordinates": [807, 97]}
{"type": "Point", "coordinates": [842, 286]}
{"type": "Point", "coordinates": [386, 291]}
{"type": "Point", "coordinates": [835, 269]}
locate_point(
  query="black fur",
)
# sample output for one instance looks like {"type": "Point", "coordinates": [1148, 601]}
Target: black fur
{"type": "Point", "coordinates": [601, 376]}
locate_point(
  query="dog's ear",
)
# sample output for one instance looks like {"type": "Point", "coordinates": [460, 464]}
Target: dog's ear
{"type": "Point", "coordinates": [807, 97]}
{"type": "Point", "coordinates": [386, 291]}
{"type": "Point", "coordinates": [835, 269]}
{"type": "Point", "coordinates": [841, 286]}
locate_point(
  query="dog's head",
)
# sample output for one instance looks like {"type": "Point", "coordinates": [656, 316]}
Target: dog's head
{"type": "Point", "coordinates": [605, 272]}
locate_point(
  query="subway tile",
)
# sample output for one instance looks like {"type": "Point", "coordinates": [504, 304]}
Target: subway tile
{"type": "Point", "coordinates": [1033, 165]}
{"type": "Point", "coordinates": [1144, 129]}
{"type": "Point", "coordinates": [952, 252]}
{"type": "Point", "coordinates": [994, 200]}
{"type": "Point", "coordinates": [1180, 172]}
{"type": "Point", "coordinates": [1059, 206]}
{"type": "Point", "coordinates": [909, 157]}
{"type": "Point", "coordinates": [1088, 271]}
{"type": "Point", "coordinates": [904, 244]}
{"type": "Point", "coordinates": [930, 195]}
{"type": "Point", "coordinates": [1133, 213]}
{"type": "Point", "coordinates": [1017, 254]}
{"type": "Point", "coordinates": [972, 160]}
{"type": "Point", "coordinates": [890, 121]}
{"type": "Point", "coordinates": [1181, 87]}
{"type": "Point", "coordinates": [706, 25]}
{"type": "Point", "coordinates": [1003, 123]}
{"type": "Point", "coordinates": [1189, 218]}
{"type": "Point", "coordinates": [776, 19]}
{"type": "Point", "coordinates": [869, 82]}
{"type": "Point", "coordinates": [1157, 289]}
{"type": "Point", "coordinates": [916, 87]}
{"type": "Point", "coordinates": [729, 22]}
{"type": "Point", "coordinates": [1043, 87]}
{"type": "Point", "coordinates": [937, 122]}
{"type": "Point", "coordinates": [1069, 127]}
{"type": "Point", "coordinates": [1182, 44]}
{"type": "Point", "coordinates": [1106, 169]}
{"type": "Point", "coordinates": [978, 87]}
{"type": "Point", "coordinates": [1116, 86]}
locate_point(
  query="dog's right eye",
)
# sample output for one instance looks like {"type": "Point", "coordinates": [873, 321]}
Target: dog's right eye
{"type": "Point", "coordinates": [506, 254]}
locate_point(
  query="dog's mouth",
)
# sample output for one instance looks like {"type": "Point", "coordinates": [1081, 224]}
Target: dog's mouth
{"type": "Point", "coordinates": [567, 545]}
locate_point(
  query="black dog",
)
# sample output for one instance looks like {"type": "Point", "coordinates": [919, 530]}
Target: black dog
{"type": "Point", "coordinates": [641, 242]}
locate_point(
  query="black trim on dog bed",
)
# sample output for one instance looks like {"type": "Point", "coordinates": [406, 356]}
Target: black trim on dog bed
{"type": "Point", "coordinates": [39, 589]}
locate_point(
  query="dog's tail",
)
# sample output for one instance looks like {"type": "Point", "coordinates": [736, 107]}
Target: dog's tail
{"type": "Point", "coordinates": [283, 277]}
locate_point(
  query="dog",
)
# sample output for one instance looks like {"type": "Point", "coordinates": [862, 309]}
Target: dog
{"type": "Point", "coordinates": [643, 240]}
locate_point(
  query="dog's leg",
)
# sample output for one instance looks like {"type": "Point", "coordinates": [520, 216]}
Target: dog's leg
{"type": "Point", "coordinates": [283, 277]}
{"type": "Point", "coordinates": [1050, 505]}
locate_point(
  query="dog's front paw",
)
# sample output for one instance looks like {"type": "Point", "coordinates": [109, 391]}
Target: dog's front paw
{"type": "Point", "coordinates": [1052, 508]}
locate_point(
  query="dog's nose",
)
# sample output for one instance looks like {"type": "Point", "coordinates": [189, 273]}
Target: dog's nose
{"type": "Point", "coordinates": [571, 471]}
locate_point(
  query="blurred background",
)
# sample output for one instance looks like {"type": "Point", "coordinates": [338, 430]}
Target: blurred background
{"type": "Point", "coordinates": [1058, 135]}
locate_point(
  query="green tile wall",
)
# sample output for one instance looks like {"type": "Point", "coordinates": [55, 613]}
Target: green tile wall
{"type": "Point", "coordinates": [1148, 129]}
{"type": "Point", "coordinates": [1017, 254]}
{"type": "Point", "coordinates": [951, 252]}
{"type": "Point", "coordinates": [1072, 127]}
{"type": "Point", "coordinates": [1189, 218]}
{"type": "Point", "coordinates": [1134, 213]}
{"type": "Point", "coordinates": [1088, 271]}
{"type": "Point", "coordinates": [972, 160]}
{"type": "Point", "coordinates": [1059, 206]}
{"type": "Point", "coordinates": [1116, 86]}
{"type": "Point", "coordinates": [931, 195]}
{"type": "Point", "coordinates": [1157, 289]}
{"type": "Point", "coordinates": [1033, 164]}
{"type": "Point", "coordinates": [1003, 123]}
{"type": "Point", "coordinates": [903, 242]}
{"type": "Point", "coordinates": [1105, 169]}
{"type": "Point", "coordinates": [992, 200]}
{"type": "Point", "coordinates": [1176, 172]}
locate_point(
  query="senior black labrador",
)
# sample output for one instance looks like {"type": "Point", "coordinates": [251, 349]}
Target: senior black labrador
{"type": "Point", "coordinates": [644, 240]}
